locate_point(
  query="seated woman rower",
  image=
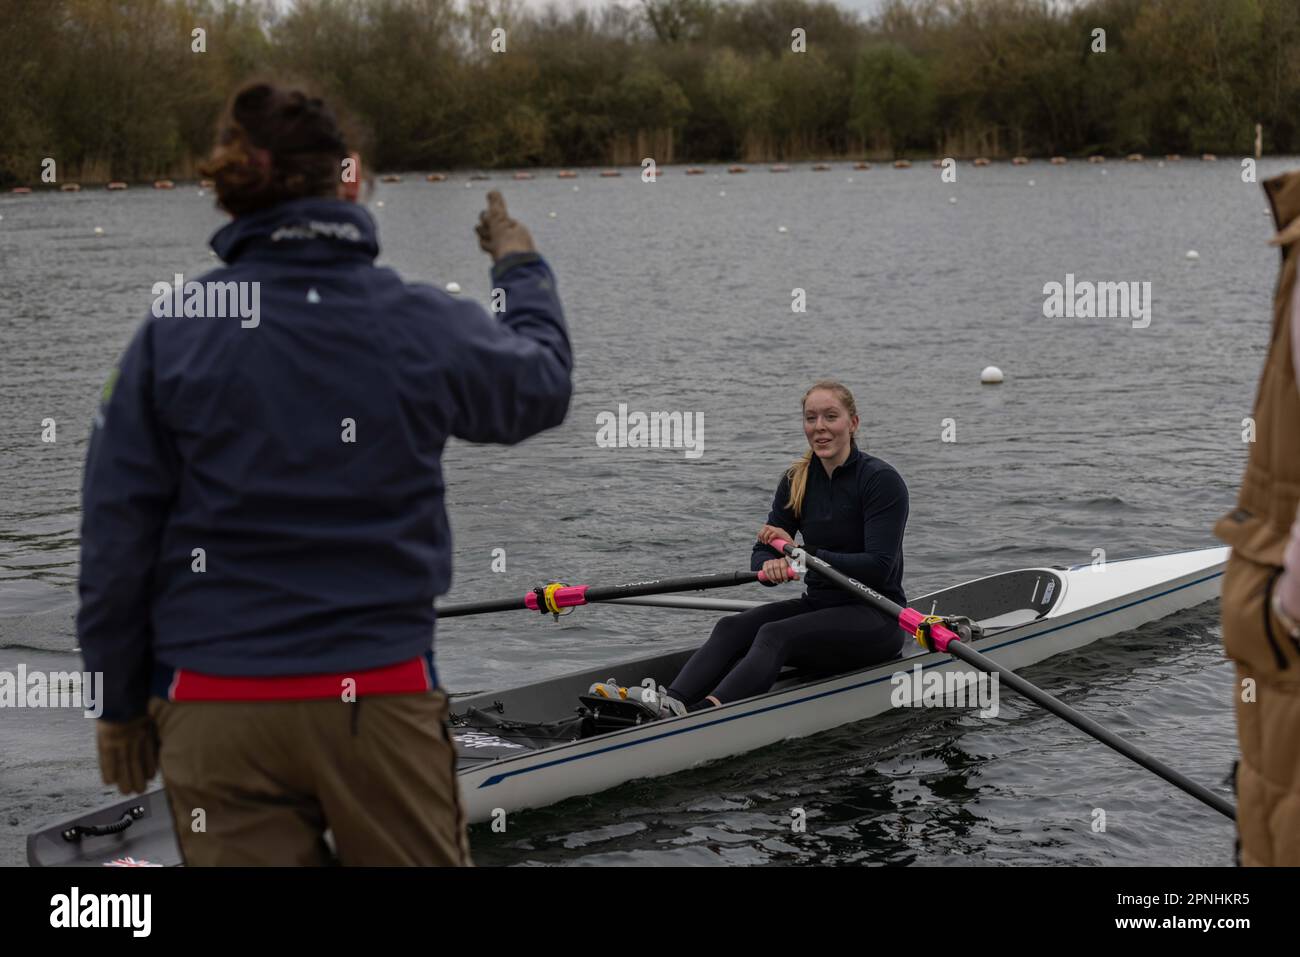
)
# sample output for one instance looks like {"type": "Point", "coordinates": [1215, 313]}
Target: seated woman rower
{"type": "Point", "coordinates": [852, 509]}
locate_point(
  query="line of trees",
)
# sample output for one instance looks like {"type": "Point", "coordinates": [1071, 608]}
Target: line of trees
{"type": "Point", "coordinates": [116, 89]}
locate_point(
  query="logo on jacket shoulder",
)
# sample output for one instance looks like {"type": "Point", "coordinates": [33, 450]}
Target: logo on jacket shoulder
{"type": "Point", "coordinates": [208, 300]}
{"type": "Point", "coordinates": [348, 232]}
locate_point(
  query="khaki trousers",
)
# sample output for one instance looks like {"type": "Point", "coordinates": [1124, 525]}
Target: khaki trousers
{"type": "Point", "coordinates": [1267, 700]}
{"type": "Point", "coordinates": [258, 783]}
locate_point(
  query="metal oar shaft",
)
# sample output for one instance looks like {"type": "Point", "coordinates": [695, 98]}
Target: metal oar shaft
{"type": "Point", "coordinates": [953, 646]}
{"type": "Point", "coordinates": [1088, 726]}
{"type": "Point", "coordinates": [574, 595]}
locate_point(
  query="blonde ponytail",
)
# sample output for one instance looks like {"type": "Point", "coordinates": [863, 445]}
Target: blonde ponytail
{"type": "Point", "coordinates": [797, 473]}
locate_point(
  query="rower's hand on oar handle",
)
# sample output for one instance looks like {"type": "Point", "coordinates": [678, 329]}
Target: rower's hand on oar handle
{"type": "Point", "coordinates": [777, 570]}
{"type": "Point", "coordinates": [769, 532]}
{"type": "Point", "coordinates": [499, 235]}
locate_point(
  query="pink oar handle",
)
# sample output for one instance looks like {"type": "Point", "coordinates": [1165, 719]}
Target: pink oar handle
{"type": "Point", "coordinates": [779, 544]}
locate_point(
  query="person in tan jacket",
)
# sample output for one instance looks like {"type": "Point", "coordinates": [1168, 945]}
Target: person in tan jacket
{"type": "Point", "coordinates": [1261, 585]}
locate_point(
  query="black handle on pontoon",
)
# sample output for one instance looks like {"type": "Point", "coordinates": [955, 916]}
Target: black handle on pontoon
{"type": "Point", "coordinates": [953, 645]}
{"type": "Point", "coordinates": [78, 831]}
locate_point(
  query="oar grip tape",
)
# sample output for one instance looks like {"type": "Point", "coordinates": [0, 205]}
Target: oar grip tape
{"type": "Point", "coordinates": [779, 544]}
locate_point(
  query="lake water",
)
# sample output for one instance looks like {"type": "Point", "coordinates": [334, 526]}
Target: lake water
{"type": "Point", "coordinates": [678, 294]}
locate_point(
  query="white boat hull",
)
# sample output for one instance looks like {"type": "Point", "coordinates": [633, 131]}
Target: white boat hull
{"type": "Point", "coordinates": [1095, 604]}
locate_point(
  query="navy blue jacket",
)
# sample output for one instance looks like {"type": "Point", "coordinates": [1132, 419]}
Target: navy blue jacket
{"type": "Point", "coordinates": [853, 519]}
{"type": "Point", "coordinates": [322, 555]}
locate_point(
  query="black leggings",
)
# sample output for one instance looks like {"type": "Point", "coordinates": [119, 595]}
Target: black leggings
{"type": "Point", "coordinates": [746, 652]}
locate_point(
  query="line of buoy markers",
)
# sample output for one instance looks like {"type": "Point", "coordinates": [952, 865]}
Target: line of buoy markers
{"type": "Point", "coordinates": [657, 171]}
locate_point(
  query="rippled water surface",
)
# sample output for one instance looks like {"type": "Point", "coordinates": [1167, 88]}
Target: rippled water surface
{"type": "Point", "coordinates": [678, 296]}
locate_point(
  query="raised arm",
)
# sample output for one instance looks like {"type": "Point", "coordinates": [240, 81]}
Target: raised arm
{"type": "Point", "coordinates": [511, 378]}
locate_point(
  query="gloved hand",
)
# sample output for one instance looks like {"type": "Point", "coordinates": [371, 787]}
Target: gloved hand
{"type": "Point", "coordinates": [498, 235]}
{"type": "Point", "coordinates": [128, 753]}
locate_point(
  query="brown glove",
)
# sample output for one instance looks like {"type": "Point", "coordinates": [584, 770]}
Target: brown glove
{"type": "Point", "coordinates": [128, 753]}
{"type": "Point", "coordinates": [498, 235]}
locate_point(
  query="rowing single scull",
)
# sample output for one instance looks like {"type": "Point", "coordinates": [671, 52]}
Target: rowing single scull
{"type": "Point", "coordinates": [529, 746]}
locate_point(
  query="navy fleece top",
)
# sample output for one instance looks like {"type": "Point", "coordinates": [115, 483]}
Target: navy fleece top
{"type": "Point", "coordinates": [853, 519]}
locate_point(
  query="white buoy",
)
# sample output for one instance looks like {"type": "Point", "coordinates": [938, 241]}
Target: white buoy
{"type": "Point", "coordinates": [849, 180]}
{"type": "Point", "coordinates": [1103, 172]}
{"type": "Point", "coordinates": [453, 288]}
{"type": "Point", "coordinates": [722, 192]}
{"type": "Point", "coordinates": [313, 295]}
{"type": "Point", "coordinates": [991, 375]}
{"type": "Point", "coordinates": [1031, 182]}
{"type": "Point", "coordinates": [575, 189]}
{"type": "Point", "coordinates": [203, 192]}
{"type": "Point", "coordinates": [1193, 254]}
{"type": "Point", "coordinates": [99, 230]}
{"type": "Point", "coordinates": [552, 214]}
{"type": "Point", "coordinates": [782, 229]}
{"type": "Point", "coordinates": [1160, 165]}
{"type": "Point", "coordinates": [380, 204]}
{"type": "Point", "coordinates": [952, 200]}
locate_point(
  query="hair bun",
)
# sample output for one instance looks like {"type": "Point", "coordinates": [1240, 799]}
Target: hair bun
{"type": "Point", "coordinates": [298, 131]}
